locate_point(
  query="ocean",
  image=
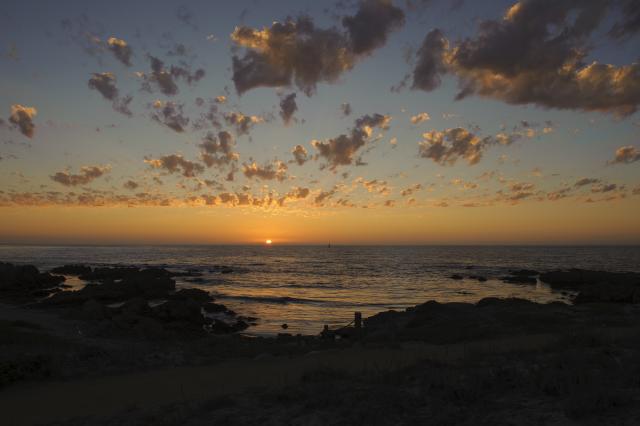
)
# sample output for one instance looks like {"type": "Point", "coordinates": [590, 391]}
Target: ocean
{"type": "Point", "coordinates": [307, 287]}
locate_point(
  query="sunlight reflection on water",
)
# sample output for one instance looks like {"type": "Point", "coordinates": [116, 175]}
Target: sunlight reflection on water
{"type": "Point", "coordinates": [308, 286]}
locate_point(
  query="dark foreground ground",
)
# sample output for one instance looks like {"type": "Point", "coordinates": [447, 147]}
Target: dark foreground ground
{"type": "Point", "coordinates": [131, 350]}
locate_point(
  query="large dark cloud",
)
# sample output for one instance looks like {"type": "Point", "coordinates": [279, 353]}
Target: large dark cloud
{"type": "Point", "coordinates": [87, 175]}
{"type": "Point", "coordinates": [536, 54]}
{"type": "Point", "coordinates": [371, 25]}
{"type": "Point", "coordinates": [22, 117]}
{"type": "Point", "coordinates": [342, 150]}
{"type": "Point", "coordinates": [295, 51]}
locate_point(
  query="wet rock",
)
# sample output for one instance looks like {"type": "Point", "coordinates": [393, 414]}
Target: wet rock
{"type": "Point", "coordinates": [519, 279]}
{"type": "Point", "coordinates": [193, 294]}
{"type": "Point", "coordinates": [26, 282]}
{"type": "Point", "coordinates": [284, 326]}
{"type": "Point", "coordinates": [149, 328]}
{"type": "Point", "coordinates": [524, 273]}
{"type": "Point", "coordinates": [214, 308]}
{"type": "Point", "coordinates": [609, 293]}
{"type": "Point", "coordinates": [478, 277]}
{"type": "Point", "coordinates": [72, 270]}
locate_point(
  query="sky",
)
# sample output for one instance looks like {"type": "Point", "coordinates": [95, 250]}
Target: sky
{"type": "Point", "coordinates": [308, 122]}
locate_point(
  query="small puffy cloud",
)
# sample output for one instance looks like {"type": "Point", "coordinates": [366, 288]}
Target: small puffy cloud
{"type": "Point", "coordinates": [411, 190]}
{"type": "Point", "coordinates": [626, 155]}
{"type": "Point", "coordinates": [420, 118]}
{"type": "Point", "coordinates": [300, 154]}
{"type": "Point", "coordinates": [165, 78]}
{"type": "Point", "coordinates": [323, 196]}
{"type": "Point", "coordinates": [22, 117]}
{"type": "Point", "coordinates": [221, 99]}
{"type": "Point", "coordinates": [130, 185]}
{"type": "Point", "coordinates": [170, 114]}
{"type": "Point", "coordinates": [87, 175]}
{"type": "Point", "coordinates": [288, 107]}
{"type": "Point", "coordinates": [242, 123]}
{"type": "Point", "coordinates": [604, 187]}
{"type": "Point", "coordinates": [105, 83]}
{"type": "Point", "coordinates": [341, 150]}
{"type": "Point", "coordinates": [295, 51]}
{"type": "Point", "coordinates": [346, 109]}
{"type": "Point", "coordinates": [175, 163]}
{"type": "Point", "coordinates": [448, 146]}
{"type": "Point", "coordinates": [218, 150]}
{"type": "Point", "coordinates": [585, 181]}
{"type": "Point", "coordinates": [120, 49]}
{"type": "Point", "coordinates": [276, 170]}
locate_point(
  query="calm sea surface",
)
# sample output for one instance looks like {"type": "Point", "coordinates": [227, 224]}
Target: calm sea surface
{"type": "Point", "coordinates": [308, 286]}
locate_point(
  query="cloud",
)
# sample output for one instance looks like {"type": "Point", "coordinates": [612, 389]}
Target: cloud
{"type": "Point", "coordinates": [22, 117]}
{"type": "Point", "coordinates": [420, 118]}
{"type": "Point", "coordinates": [87, 175]}
{"type": "Point", "coordinates": [170, 114]}
{"type": "Point", "coordinates": [604, 188]}
{"type": "Point", "coordinates": [105, 83]}
{"type": "Point", "coordinates": [277, 170]}
{"type": "Point", "coordinates": [585, 181]}
{"type": "Point", "coordinates": [288, 107]}
{"type": "Point", "coordinates": [165, 79]}
{"type": "Point", "coordinates": [536, 54]}
{"type": "Point", "coordinates": [218, 150]}
{"type": "Point", "coordinates": [370, 27]}
{"type": "Point", "coordinates": [448, 146]}
{"type": "Point", "coordinates": [626, 155]}
{"type": "Point", "coordinates": [411, 190]}
{"type": "Point", "coordinates": [323, 196]}
{"type": "Point", "coordinates": [430, 64]}
{"type": "Point", "coordinates": [121, 50]}
{"type": "Point", "coordinates": [175, 163]}
{"type": "Point", "coordinates": [346, 109]}
{"type": "Point", "coordinates": [130, 185]}
{"type": "Point", "coordinates": [295, 51]}
{"type": "Point", "coordinates": [300, 154]}
{"type": "Point", "coordinates": [341, 150]}
{"type": "Point", "coordinates": [242, 123]}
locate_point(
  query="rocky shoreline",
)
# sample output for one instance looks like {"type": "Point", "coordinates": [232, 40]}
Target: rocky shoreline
{"type": "Point", "coordinates": [126, 320]}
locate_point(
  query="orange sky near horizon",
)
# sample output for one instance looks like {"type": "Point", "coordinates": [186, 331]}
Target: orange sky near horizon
{"type": "Point", "coordinates": [534, 223]}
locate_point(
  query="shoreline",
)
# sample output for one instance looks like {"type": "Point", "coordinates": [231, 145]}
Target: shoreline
{"type": "Point", "coordinates": [74, 347]}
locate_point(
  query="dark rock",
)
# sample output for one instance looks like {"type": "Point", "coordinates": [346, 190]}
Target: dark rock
{"type": "Point", "coordinates": [180, 310]}
{"type": "Point", "coordinates": [456, 277]}
{"type": "Point", "coordinates": [72, 270]}
{"type": "Point", "coordinates": [213, 308]}
{"type": "Point", "coordinates": [193, 294]}
{"type": "Point", "coordinates": [478, 277]}
{"type": "Point", "coordinates": [525, 272]}
{"type": "Point", "coordinates": [26, 282]}
{"type": "Point", "coordinates": [136, 306]}
{"type": "Point", "coordinates": [519, 279]}
{"type": "Point", "coordinates": [94, 310]}
{"type": "Point", "coordinates": [284, 326]}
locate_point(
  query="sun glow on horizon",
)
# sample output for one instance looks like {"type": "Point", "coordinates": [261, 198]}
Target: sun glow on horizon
{"type": "Point", "coordinates": [268, 242]}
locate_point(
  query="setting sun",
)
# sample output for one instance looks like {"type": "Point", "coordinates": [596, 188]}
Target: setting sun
{"type": "Point", "coordinates": [268, 242]}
